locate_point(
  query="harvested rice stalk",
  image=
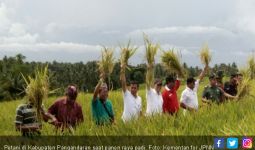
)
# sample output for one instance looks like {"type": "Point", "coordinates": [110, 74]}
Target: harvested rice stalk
{"type": "Point", "coordinates": [172, 63]}
{"type": "Point", "coordinates": [151, 51]}
{"type": "Point", "coordinates": [251, 63]}
{"type": "Point", "coordinates": [126, 53]}
{"type": "Point", "coordinates": [244, 86]}
{"type": "Point", "coordinates": [106, 64]}
{"type": "Point", "coordinates": [37, 89]}
{"type": "Point", "coordinates": [205, 55]}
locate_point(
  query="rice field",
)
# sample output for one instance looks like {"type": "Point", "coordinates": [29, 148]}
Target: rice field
{"type": "Point", "coordinates": [230, 118]}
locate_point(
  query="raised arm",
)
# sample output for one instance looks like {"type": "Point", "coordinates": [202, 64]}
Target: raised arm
{"type": "Point", "coordinates": [177, 84]}
{"type": "Point", "coordinates": [149, 77]}
{"type": "Point", "coordinates": [123, 78]}
{"type": "Point", "coordinates": [202, 74]}
{"type": "Point", "coordinates": [97, 88]}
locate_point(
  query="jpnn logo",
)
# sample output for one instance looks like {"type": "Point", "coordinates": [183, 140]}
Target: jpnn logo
{"type": "Point", "coordinates": [219, 143]}
{"type": "Point", "coordinates": [247, 143]}
{"type": "Point", "coordinates": [232, 143]}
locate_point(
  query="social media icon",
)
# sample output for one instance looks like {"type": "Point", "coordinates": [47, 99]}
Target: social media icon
{"type": "Point", "coordinates": [232, 143]}
{"type": "Point", "coordinates": [247, 143]}
{"type": "Point", "coordinates": [219, 143]}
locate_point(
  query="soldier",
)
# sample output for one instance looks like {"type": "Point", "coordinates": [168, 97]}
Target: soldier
{"type": "Point", "coordinates": [219, 78]}
{"type": "Point", "coordinates": [213, 93]}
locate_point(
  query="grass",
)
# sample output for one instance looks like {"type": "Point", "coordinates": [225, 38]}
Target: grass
{"type": "Point", "coordinates": [231, 118]}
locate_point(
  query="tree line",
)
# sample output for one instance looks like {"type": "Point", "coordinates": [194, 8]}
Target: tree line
{"type": "Point", "coordinates": [84, 75]}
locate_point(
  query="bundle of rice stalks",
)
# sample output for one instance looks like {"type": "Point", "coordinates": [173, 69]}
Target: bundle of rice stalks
{"type": "Point", "coordinates": [172, 63]}
{"type": "Point", "coordinates": [251, 63]}
{"type": "Point", "coordinates": [126, 53]}
{"type": "Point", "coordinates": [37, 89]}
{"type": "Point", "coordinates": [244, 86]}
{"type": "Point", "coordinates": [106, 64]}
{"type": "Point", "coordinates": [205, 55]}
{"type": "Point", "coordinates": [151, 51]}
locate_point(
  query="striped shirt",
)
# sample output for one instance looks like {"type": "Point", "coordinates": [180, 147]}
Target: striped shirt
{"type": "Point", "coordinates": [26, 115]}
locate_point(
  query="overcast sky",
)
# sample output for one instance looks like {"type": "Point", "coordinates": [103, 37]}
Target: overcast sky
{"type": "Point", "coordinates": [74, 30]}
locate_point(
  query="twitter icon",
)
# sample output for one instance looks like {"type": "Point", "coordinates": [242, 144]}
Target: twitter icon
{"type": "Point", "coordinates": [232, 143]}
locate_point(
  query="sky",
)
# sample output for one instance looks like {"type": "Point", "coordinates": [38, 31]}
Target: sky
{"type": "Point", "coordinates": [76, 30]}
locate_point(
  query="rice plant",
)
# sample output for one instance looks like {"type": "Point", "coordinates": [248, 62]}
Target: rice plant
{"type": "Point", "coordinates": [244, 85]}
{"type": "Point", "coordinates": [251, 64]}
{"type": "Point", "coordinates": [126, 53]}
{"type": "Point", "coordinates": [172, 62]}
{"type": "Point", "coordinates": [106, 65]}
{"type": "Point", "coordinates": [37, 89]}
{"type": "Point", "coordinates": [151, 51]}
{"type": "Point", "coordinates": [205, 55]}
{"type": "Point", "coordinates": [206, 121]}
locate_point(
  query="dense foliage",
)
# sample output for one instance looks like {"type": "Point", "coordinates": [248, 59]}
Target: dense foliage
{"type": "Point", "coordinates": [84, 75]}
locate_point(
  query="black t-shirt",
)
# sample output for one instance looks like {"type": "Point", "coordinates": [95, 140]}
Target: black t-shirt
{"type": "Point", "coordinates": [230, 88]}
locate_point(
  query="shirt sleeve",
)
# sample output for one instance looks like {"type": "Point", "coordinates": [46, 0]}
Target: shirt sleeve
{"type": "Point", "coordinates": [53, 109]}
{"type": "Point", "coordinates": [140, 105]}
{"type": "Point", "coordinates": [94, 102]}
{"type": "Point", "coordinates": [111, 109]}
{"type": "Point", "coordinates": [177, 84]}
{"type": "Point", "coordinates": [164, 101]}
{"type": "Point", "coordinates": [19, 116]}
{"type": "Point", "coordinates": [196, 85]}
{"type": "Point", "coordinates": [125, 94]}
{"type": "Point", "coordinates": [183, 98]}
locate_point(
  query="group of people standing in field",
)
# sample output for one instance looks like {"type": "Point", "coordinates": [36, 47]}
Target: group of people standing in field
{"type": "Point", "coordinates": [66, 113]}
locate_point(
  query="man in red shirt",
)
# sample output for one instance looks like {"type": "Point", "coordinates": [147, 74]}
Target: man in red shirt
{"type": "Point", "coordinates": [170, 100]}
{"type": "Point", "coordinates": [67, 111]}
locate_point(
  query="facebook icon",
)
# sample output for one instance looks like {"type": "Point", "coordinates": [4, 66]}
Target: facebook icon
{"type": "Point", "coordinates": [219, 143]}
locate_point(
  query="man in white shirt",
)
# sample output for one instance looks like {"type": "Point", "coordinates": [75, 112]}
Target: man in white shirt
{"type": "Point", "coordinates": [154, 98]}
{"type": "Point", "coordinates": [189, 99]}
{"type": "Point", "coordinates": [132, 102]}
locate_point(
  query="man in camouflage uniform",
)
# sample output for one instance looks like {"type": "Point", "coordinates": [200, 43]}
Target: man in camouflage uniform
{"type": "Point", "coordinates": [219, 78]}
{"type": "Point", "coordinates": [213, 93]}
